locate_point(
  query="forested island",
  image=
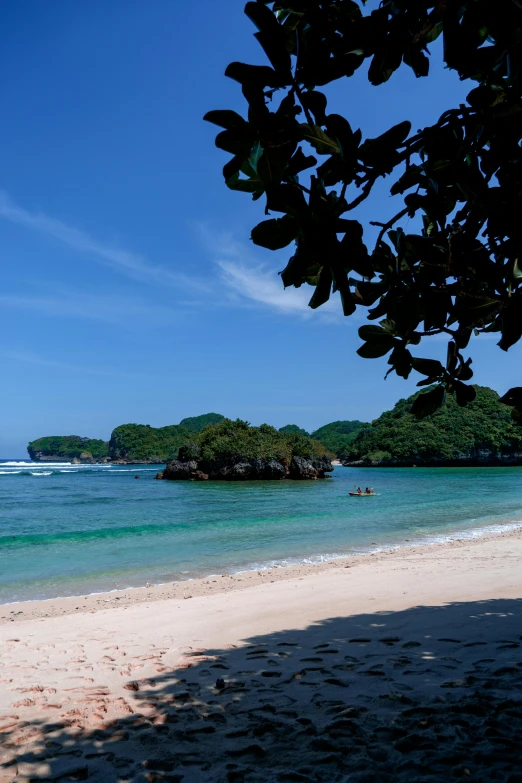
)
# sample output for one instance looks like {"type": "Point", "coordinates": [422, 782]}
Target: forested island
{"type": "Point", "coordinates": [59, 448]}
{"type": "Point", "coordinates": [143, 444]}
{"type": "Point", "coordinates": [129, 443]}
{"type": "Point", "coordinates": [235, 451]}
{"type": "Point", "coordinates": [482, 433]}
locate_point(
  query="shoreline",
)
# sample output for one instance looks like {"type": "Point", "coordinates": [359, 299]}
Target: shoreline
{"type": "Point", "coordinates": [387, 666]}
{"type": "Point", "coordinates": [219, 584]}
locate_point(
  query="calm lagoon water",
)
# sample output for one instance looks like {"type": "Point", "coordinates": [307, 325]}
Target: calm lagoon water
{"type": "Point", "coordinates": [69, 530]}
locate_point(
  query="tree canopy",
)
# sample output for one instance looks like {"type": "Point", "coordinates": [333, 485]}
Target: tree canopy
{"type": "Point", "coordinates": [237, 440]}
{"type": "Point", "coordinates": [460, 274]}
{"type": "Point", "coordinates": [143, 442]}
{"type": "Point", "coordinates": [68, 447]}
{"type": "Point", "coordinates": [482, 430]}
{"type": "Point", "coordinates": [289, 429]}
{"type": "Point", "coordinates": [197, 423]}
{"type": "Point", "coordinates": [338, 435]}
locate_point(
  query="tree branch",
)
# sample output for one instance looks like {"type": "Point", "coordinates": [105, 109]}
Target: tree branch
{"type": "Point", "coordinates": [442, 330]}
{"type": "Point", "coordinates": [362, 196]}
{"type": "Point", "coordinates": [300, 98]}
{"type": "Point", "coordinates": [386, 226]}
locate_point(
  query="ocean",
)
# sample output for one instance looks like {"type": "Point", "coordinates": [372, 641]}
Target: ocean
{"type": "Point", "coordinates": [74, 529]}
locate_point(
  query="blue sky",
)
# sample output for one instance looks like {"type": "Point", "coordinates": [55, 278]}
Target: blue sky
{"type": "Point", "coordinates": [131, 291]}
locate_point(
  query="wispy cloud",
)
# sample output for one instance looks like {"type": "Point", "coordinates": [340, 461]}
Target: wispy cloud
{"type": "Point", "coordinates": [252, 282]}
{"type": "Point", "coordinates": [30, 358]}
{"type": "Point", "coordinates": [71, 303]}
{"type": "Point", "coordinates": [135, 266]}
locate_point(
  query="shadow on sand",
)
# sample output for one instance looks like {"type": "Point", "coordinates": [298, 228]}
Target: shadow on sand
{"type": "Point", "coordinates": [426, 694]}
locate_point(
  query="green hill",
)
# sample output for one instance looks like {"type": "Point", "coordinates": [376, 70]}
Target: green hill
{"type": "Point", "coordinates": [233, 450]}
{"type": "Point", "coordinates": [481, 433]}
{"type": "Point", "coordinates": [291, 429]}
{"type": "Point", "coordinates": [238, 440]}
{"type": "Point", "coordinates": [143, 443]}
{"type": "Point", "coordinates": [338, 435]}
{"type": "Point", "coordinates": [197, 423]}
{"type": "Point", "coordinates": [129, 442]}
{"type": "Point", "coordinates": [67, 447]}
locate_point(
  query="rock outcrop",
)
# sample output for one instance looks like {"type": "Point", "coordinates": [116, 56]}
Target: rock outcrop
{"type": "Point", "coordinates": [85, 458]}
{"type": "Point", "coordinates": [475, 458]}
{"type": "Point", "coordinates": [246, 470]}
{"type": "Point", "coordinates": [176, 470]}
{"type": "Point", "coordinates": [64, 448]}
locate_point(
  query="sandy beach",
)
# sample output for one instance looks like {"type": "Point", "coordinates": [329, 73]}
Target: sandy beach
{"type": "Point", "coordinates": [402, 665]}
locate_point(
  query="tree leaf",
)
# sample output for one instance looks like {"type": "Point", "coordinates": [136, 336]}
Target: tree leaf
{"type": "Point", "coordinates": [275, 233]}
{"type": "Point", "coordinates": [319, 140]}
{"type": "Point", "coordinates": [347, 300]}
{"type": "Point", "coordinates": [232, 168]}
{"type": "Point", "coordinates": [465, 373]}
{"type": "Point", "coordinates": [470, 311]}
{"type": "Point", "coordinates": [511, 323]}
{"type": "Point", "coordinates": [378, 341]}
{"type": "Point", "coordinates": [339, 128]}
{"type": "Point", "coordinates": [385, 61]}
{"type": "Point", "coordinates": [373, 349]}
{"type": "Point", "coordinates": [315, 102]}
{"type": "Point", "coordinates": [401, 360]}
{"type": "Point", "coordinates": [271, 36]}
{"type": "Point", "coordinates": [428, 402]}
{"type": "Point", "coordinates": [271, 166]}
{"type": "Point", "coordinates": [513, 397]}
{"type": "Point", "coordinates": [261, 16]}
{"type": "Point", "coordinates": [251, 185]}
{"type": "Point", "coordinates": [254, 75]}
{"type": "Point", "coordinates": [463, 337]}
{"type": "Point", "coordinates": [430, 367]}
{"type": "Point", "coordinates": [374, 152]}
{"type": "Point", "coordinates": [370, 292]}
{"type": "Point", "coordinates": [417, 61]}
{"type": "Point", "coordinates": [371, 332]}
{"type": "Point", "coordinates": [464, 393]}
{"type": "Point", "coordinates": [299, 162]}
{"type": "Point", "coordinates": [411, 177]}
{"type": "Point", "coordinates": [274, 46]}
{"type": "Point", "coordinates": [322, 289]}
{"type": "Point", "coordinates": [235, 141]}
{"type": "Point", "coordinates": [225, 118]}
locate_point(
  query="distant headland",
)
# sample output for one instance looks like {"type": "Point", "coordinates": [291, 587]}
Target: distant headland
{"type": "Point", "coordinates": [235, 451]}
{"type": "Point", "coordinates": [482, 433]}
{"type": "Point", "coordinates": [143, 444]}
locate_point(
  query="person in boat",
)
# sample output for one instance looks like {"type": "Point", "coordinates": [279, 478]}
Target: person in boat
{"type": "Point", "coordinates": [359, 491]}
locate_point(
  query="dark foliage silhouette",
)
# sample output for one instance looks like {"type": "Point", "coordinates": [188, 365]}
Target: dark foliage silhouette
{"type": "Point", "coordinates": [461, 177]}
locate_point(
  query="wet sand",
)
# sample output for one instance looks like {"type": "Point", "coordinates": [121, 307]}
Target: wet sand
{"type": "Point", "coordinates": [405, 665]}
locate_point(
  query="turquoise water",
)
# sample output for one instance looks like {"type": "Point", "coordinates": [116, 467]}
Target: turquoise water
{"type": "Point", "coordinates": [69, 530]}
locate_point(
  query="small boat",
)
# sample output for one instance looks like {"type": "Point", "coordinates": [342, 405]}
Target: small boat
{"type": "Point", "coordinates": [361, 494]}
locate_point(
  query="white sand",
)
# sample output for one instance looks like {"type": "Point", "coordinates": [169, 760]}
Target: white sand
{"type": "Point", "coordinates": [123, 686]}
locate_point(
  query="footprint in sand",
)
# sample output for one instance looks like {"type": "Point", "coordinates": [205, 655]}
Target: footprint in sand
{"type": "Point", "coordinates": [24, 703]}
{"type": "Point", "coordinates": [127, 670]}
{"type": "Point", "coordinates": [82, 679]}
{"type": "Point", "coordinates": [9, 722]}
